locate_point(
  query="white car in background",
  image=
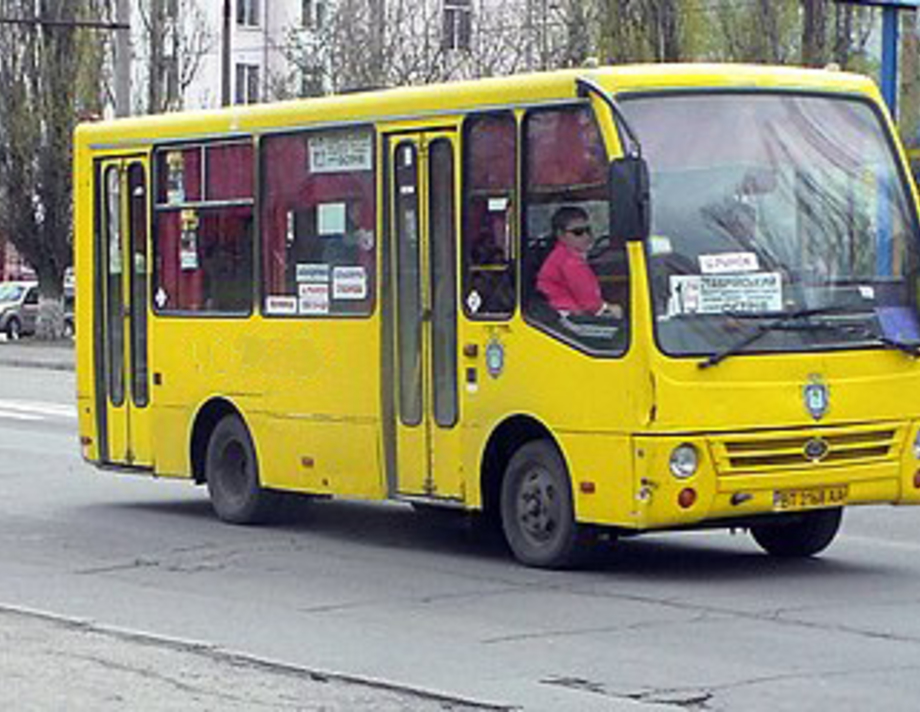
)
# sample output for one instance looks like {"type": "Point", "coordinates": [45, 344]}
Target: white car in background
{"type": "Point", "coordinates": [18, 308]}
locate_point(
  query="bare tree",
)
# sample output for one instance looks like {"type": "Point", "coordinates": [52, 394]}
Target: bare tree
{"type": "Point", "coordinates": [50, 74]}
{"type": "Point", "coordinates": [174, 40]}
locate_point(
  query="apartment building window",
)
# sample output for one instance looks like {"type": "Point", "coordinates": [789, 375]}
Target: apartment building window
{"type": "Point", "coordinates": [247, 12]}
{"type": "Point", "coordinates": [247, 83]}
{"type": "Point", "coordinates": [314, 14]}
{"type": "Point", "coordinates": [457, 24]}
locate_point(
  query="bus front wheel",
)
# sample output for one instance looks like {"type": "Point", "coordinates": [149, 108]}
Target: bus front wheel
{"type": "Point", "coordinates": [232, 472]}
{"type": "Point", "coordinates": [807, 534]}
{"type": "Point", "coordinates": [538, 516]}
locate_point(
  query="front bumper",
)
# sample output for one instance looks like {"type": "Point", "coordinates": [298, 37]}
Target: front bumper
{"type": "Point", "coordinates": [741, 475]}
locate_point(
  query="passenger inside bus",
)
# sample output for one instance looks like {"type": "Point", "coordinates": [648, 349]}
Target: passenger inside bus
{"type": "Point", "coordinates": [565, 279]}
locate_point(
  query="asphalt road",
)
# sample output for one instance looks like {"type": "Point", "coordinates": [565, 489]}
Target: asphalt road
{"type": "Point", "coordinates": [694, 621]}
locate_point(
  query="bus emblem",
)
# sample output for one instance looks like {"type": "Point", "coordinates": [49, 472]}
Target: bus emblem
{"type": "Point", "coordinates": [495, 358]}
{"type": "Point", "coordinates": [816, 449]}
{"type": "Point", "coordinates": [817, 398]}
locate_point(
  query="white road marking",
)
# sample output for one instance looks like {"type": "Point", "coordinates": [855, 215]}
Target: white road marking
{"type": "Point", "coordinates": [35, 410]}
{"type": "Point", "coordinates": [12, 415]}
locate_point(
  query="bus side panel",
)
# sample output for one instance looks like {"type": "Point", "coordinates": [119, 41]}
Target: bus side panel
{"type": "Point", "coordinates": [307, 390]}
{"type": "Point", "coordinates": [299, 455]}
{"type": "Point", "coordinates": [601, 473]}
{"type": "Point", "coordinates": [171, 446]}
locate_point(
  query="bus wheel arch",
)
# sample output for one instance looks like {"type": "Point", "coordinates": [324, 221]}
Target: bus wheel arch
{"type": "Point", "coordinates": [504, 441]}
{"type": "Point", "coordinates": [527, 488]}
{"type": "Point", "coordinates": [206, 420]}
{"type": "Point", "coordinates": [232, 474]}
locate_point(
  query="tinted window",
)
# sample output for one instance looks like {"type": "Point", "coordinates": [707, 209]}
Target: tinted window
{"type": "Point", "coordinates": [318, 223]}
{"type": "Point", "coordinates": [203, 239]}
{"type": "Point", "coordinates": [578, 294]}
{"type": "Point", "coordinates": [489, 202]}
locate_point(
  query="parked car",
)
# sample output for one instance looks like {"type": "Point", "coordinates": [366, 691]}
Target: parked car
{"type": "Point", "coordinates": [18, 308]}
{"type": "Point", "coordinates": [70, 324]}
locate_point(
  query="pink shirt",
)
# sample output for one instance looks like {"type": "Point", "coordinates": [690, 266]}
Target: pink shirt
{"type": "Point", "coordinates": [568, 283]}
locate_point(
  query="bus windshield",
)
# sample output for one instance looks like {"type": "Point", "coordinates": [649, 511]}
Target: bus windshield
{"type": "Point", "coordinates": [780, 222]}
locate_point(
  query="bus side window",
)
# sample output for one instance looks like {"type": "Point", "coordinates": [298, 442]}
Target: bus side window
{"type": "Point", "coordinates": [318, 223]}
{"type": "Point", "coordinates": [565, 166]}
{"type": "Point", "coordinates": [489, 204]}
{"type": "Point", "coordinates": [203, 229]}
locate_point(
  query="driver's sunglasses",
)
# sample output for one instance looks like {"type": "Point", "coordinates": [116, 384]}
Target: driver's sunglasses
{"type": "Point", "coordinates": [580, 231]}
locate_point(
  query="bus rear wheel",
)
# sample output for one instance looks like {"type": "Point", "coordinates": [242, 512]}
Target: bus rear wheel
{"type": "Point", "coordinates": [538, 516]}
{"type": "Point", "coordinates": [232, 473]}
{"type": "Point", "coordinates": [804, 535]}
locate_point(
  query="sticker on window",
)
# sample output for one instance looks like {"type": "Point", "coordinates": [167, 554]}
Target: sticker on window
{"type": "Point", "coordinates": [349, 283]}
{"type": "Point", "coordinates": [330, 219]}
{"type": "Point", "coordinates": [498, 205]}
{"type": "Point", "coordinates": [175, 177]}
{"type": "Point", "coordinates": [188, 242]}
{"type": "Point", "coordinates": [715, 294]}
{"type": "Point", "coordinates": [313, 298]}
{"type": "Point", "coordinates": [729, 263]}
{"type": "Point", "coordinates": [280, 305]}
{"type": "Point", "coordinates": [341, 152]}
{"type": "Point", "coordinates": [312, 272]}
{"type": "Point", "coordinates": [660, 245]}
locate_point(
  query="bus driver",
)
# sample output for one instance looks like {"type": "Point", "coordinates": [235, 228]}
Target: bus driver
{"type": "Point", "coordinates": [566, 279]}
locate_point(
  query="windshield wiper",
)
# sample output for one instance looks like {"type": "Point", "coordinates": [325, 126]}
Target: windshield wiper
{"type": "Point", "coordinates": [911, 349]}
{"type": "Point", "coordinates": [798, 320]}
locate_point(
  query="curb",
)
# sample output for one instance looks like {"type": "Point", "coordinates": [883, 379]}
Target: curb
{"type": "Point", "coordinates": [219, 654]}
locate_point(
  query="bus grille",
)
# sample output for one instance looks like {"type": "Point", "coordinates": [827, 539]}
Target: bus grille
{"type": "Point", "coordinates": [818, 448]}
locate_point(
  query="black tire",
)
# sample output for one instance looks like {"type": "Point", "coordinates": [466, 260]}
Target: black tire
{"type": "Point", "coordinates": [802, 535]}
{"type": "Point", "coordinates": [538, 516]}
{"type": "Point", "coordinates": [69, 331]}
{"type": "Point", "coordinates": [232, 472]}
{"type": "Point", "coordinates": [13, 329]}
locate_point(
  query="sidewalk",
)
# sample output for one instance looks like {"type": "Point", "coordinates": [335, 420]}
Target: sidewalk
{"type": "Point", "coordinates": [51, 663]}
{"type": "Point", "coordinates": [31, 353]}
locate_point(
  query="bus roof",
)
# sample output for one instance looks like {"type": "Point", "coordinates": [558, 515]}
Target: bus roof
{"type": "Point", "coordinates": [429, 100]}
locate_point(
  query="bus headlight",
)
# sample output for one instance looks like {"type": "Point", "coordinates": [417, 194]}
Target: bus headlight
{"type": "Point", "coordinates": [684, 461]}
{"type": "Point", "coordinates": [917, 445]}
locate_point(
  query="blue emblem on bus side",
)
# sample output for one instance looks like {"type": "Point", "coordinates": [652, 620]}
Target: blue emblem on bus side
{"type": "Point", "coordinates": [817, 399]}
{"type": "Point", "coordinates": [495, 358]}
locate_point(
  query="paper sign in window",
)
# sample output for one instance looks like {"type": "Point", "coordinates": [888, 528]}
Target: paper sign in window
{"type": "Point", "coordinates": [278, 304]}
{"type": "Point", "coordinates": [307, 272]}
{"type": "Point", "coordinates": [330, 219]}
{"type": "Point", "coordinates": [313, 298]}
{"type": "Point", "coordinates": [349, 283]}
{"type": "Point", "coordinates": [729, 262]}
{"type": "Point", "coordinates": [715, 294]}
{"type": "Point", "coordinates": [341, 152]}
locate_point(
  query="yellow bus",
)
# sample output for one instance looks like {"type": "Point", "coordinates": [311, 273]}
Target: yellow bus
{"type": "Point", "coordinates": [365, 296]}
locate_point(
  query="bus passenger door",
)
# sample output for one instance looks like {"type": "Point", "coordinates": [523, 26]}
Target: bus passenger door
{"type": "Point", "coordinates": [120, 315]}
{"type": "Point", "coordinates": [421, 376]}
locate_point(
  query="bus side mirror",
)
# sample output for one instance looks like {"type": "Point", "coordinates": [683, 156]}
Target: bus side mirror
{"type": "Point", "coordinates": [630, 208]}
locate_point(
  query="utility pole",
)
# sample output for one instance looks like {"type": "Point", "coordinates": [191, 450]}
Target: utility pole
{"type": "Point", "coordinates": [890, 10]}
{"type": "Point", "coordinates": [123, 59]}
{"type": "Point", "coordinates": [225, 55]}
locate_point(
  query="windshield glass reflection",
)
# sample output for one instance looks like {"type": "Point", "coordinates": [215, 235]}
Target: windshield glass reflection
{"type": "Point", "coordinates": [766, 205]}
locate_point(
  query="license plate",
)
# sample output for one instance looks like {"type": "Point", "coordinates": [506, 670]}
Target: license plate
{"type": "Point", "coordinates": [811, 498]}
